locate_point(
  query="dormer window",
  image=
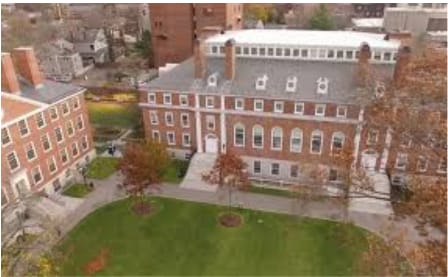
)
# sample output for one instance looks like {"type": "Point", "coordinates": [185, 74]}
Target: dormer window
{"type": "Point", "coordinates": [379, 89]}
{"type": "Point", "coordinates": [212, 80]}
{"type": "Point", "coordinates": [322, 85]}
{"type": "Point", "coordinates": [291, 84]}
{"type": "Point", "coordinates": [261, 83]}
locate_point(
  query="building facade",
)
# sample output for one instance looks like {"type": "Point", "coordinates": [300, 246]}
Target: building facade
{"type": "Point", "coordinates": [46, 135]}
{"type": "Point", "coordinates": [174, 27]}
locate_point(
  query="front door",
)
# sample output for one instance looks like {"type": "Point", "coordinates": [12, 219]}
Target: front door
{"type": "Point", "coordinates": [368, 160]}
{"type": "Point", "coordinates": [211, 144]}
{"type": "Point", "coordinates": [22, 188]}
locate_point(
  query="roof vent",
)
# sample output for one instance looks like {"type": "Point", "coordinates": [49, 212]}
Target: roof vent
{"type": "Point", "coordinates": [291, 84]}
{"type": "Point", "coordinates": [260, 84]}
{"type": "Point", "coordinates": [212, 80]}
{"type": "Point", "coordinates": [322, 85]}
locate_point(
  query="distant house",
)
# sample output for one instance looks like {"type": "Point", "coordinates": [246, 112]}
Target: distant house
{"type": "Point", "coordinates": [59, 61]}
{"type": "Point", "coordinates": [91, 45]}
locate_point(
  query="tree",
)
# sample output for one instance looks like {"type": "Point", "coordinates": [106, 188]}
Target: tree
{"type": "Point", "coordinates": [143, 165]}
{"type": "Point", "coordinates": [144, 47]}
{"type": "Point", "coordinates": [321, 19]}
{"type": "Point", "coordinates": [229, 171]}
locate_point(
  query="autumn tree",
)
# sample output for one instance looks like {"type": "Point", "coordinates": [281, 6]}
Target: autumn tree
{"type": "Point", "coordinates": [143, 165]}
{"type": "Point", "coordinates": [229, 172]}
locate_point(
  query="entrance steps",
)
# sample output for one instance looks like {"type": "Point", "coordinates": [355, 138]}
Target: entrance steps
{"type": "Point", "coordinates": [201, 163]}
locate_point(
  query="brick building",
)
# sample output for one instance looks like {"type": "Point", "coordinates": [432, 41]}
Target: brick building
{"type": "Point", "coordinates": [174, 27]}
{"type": "Point", "coordinates": [46, 133]}
{"type": "Point", "coordinates": [277, 98]}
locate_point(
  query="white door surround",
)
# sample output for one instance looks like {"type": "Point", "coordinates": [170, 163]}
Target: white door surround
{"type": "Point", "coordinates": [369, 158]}
{"type": "Point", "coordinates": [211, 143]}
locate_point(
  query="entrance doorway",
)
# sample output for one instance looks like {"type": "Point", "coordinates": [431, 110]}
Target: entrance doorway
{"type": "Point", "coordinates": [211, 144]}
{"type": "Point", "coordinates": [368, 159]}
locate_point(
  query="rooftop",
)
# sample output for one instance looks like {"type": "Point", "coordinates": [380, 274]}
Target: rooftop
{"type": "Point", "coordinates": [49, 92]}
{"type": "Point", "coordinates": [14, 107]}
{"type": "Point", "coordinates": [368, 22]}
{"type": "Point", "coordinates": [344, 39]}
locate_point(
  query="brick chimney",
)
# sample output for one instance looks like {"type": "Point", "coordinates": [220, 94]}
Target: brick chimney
{"type": "Point", "coordinates": [200, 66]}
{"type": "Point", "coordinates": [230, 59]}
{"type": "Point", "coordinates": [9, 77]}
{"type": "Point", "coordinates": [26, 64]}
{"type": "Point", "coordinates": [403, 59]}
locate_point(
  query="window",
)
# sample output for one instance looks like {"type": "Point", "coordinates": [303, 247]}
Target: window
{"type": "Point", "coordinates": [258, 105]}
{"type": "Point", "coordinates": [257, 167]}
{"type": "Point", "coordinates": [80, 123]}
{"type": "Point", "coordinates": [278, 52]}
{"type": "Point", "coordinates": [253, 51]}
{"type": "Point", "coordinates": [153, 117]}
{"type": "Point", "coordinates": [54, 113]}
{"type": "Point", "coordinates": [330, 53]}
{"type": "Point", "coordinates": [170, 137]}
{"type": "Point", "coordinates": [442, 166]}
{"type": "Point", "coordinates": [333, 175]}
{"type": "Point", "coordinates": [275, 169]}
{"type": "Point", "coordinates": [151, 98]}
{"type": "Point", "coordinates": [304, 53]}
{"type": "Point", "coordinates": [316, 142]}
{"type": "Point", "coordinates": [210, 102]}
{"type": "Point", "coordinates": [186, 139]}
{"type": "Point", "coordinates": [69, 126]}
{"type": "Point", "coordinates": [270, 51]}
{"type": "Point", "coordinates": [156, 135]}
{"type": "Point", "coordinates": [51, 165]}
{"type": "Point", "coordinates": [30, 151]}
{"type": "Point", "coordinates": [75, 151]}
{"type": "Point", "coordinates": [295, 52]}
{"type": "Point", "coordinates": [377, 56]}
{"type": "Point", "coordinates": [12, 161]}
{"type": "Point", "coordinates": [299, 108]}
{"type": "Point", "coordinates": [246, 51]}
{"type": "Point", "coordinates": [291, 84]}
{"type": "Point", "coordinates": [322, 85]}
{"type": "Point", "coordinates": [372, 137]}
{"type": "Point", "coordinates": [341, 111]}
{"type": "Point", "coordinates": [23, 127]}
{"type": "Point", "coordinates": [422, 164]}
{"type": "Point", "coordinates": [45, 143]}
{"type": "Point", "coordinates": [169, 121]}
{"type": "Point", "coordinates": [322, 53]}
{"type": "Point", "coordinates": [37, 175]}
{"type": "Point", "coordinates": [64, 155]}
{"type": "Point", "coordinates": [260, 84]}
{"type": "Point", "coordinates": [183, 100]}
{"type": "Point", "coordinates": [294, 171]}
{"type": "Point", "coordinates": [262, 51]}
{"type": "Point", "coordinates": [239, 132]}
{"type": "Point", "coordinates": [257, 134]}
{"type": "Point", "coordinates": [319, 110]}
{"type": "Point", "coordinates": [337, 142]}
{"type": "Point", "coordinates": [59, 136]}
{"type": "Point", "coordinates": [84, 143]}
{"type": "Point", "coordinates": [387, 56]}
{"type": "Point", "coordinates": [340, 54]}
{"type": "Point", "coordinates": [214, 49]}
{"type": "Point", "coordinates": [6, 138]}
{"type": "Point", "coordinates": [401, 161]}
{"type": "Point", "coordinates": [40, 120]}
{"type": "Point", "coordinates": [296, 140]}
{"type": "Point", "coordinates": [75, 103]}
{"type": "Point", "coordinates": [238, 50]}
{"type": "Point", "coordinates": [287, 52]}
{"type": "Point", "coordinates": [167, 98]}
{"type": "Point", "coordinates": [65, 108]}
{"type": "Point", "coordinates": [212, 80]}
{"type": "Point", "coordinates": [278, 106]}
{"type": "Point", "coordinates": [210, 122]}
{"type": "Point", "coordinates": [185, 120]}
{"type": "Point", "coordinates": [277, 138]}
{"type": "Point", "coordinates": [239, 104]}
{"type": "Point", "coordinates": [349, 55]}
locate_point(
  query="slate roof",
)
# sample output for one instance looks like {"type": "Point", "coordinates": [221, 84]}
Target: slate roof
{"type": "Point", "coordinates": [49, 92]}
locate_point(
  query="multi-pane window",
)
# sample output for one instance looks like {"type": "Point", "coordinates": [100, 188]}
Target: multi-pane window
{"type": "Point", "coordinates": [294, 171]}
{"type": "Point", "coordinates": [239, 104]}
{"type": "Point", "coordinates": [84, 143]}
{"type": "Point", "coordinates": [341, 111]}
{"type": "Point", "coordinates": [156, 135]}
{"type": "Point", "coordinates": [23, 128]}
{"type": "Point", "coordinates": [349, 55]}
{"type": "Point", "coordinates": [151, 98]}
{"type": "Point", "coordinates": [316, 142]}
{"type": "Point", "coordinates": [30, 151]}
{"type": "Point", "coordinates": [210, 122]}
{"type": "Point", "coordinates": [40, 120]}
{"type": "Point", "coordinates": [296, 140]}
{"type": "Point", "coordinates": [167, 99]}
{"type": "Point", "coordinates": [75, 103]}
{"type": "Point", "coordinates": [422, 164]}
{"type": "Point", "coordinates": [80, 123]}
{"type": "Point", "coordinates": [12, 161]}
{"type": "Point", "coordinates": [69, 126]}
{"type": "Point", "coordinates": [6, 139]}
{"type": "Point", "coordinates": [65, 108]}
{"type": "Point", "coordinates": [153, 117]}
{"type": "Point", "coordinates": [58, 133]}
{"type": "Point", "coordinates": [257, 133]}
{"type": "Point", "coordinates": [299, 107]}
{"type": "Point", "coordinates": [186, 139]}
{"type": "Point", "coordinates": [75, 150]}
{"type": "Point", "coordinates": [319, 110]}
{"type": "Point", "coordinates": [170, 138]}
{"type": "Point", "coordinates": [37, 175]}
{"type": "Point", "coordinates": [258, 105]}
{"type": "Point", "coordinates": [64, 155]}
{"type": "Point", "coordinates": [51, 165]}
{"type": "Point", "coordinates": [239, 134]}
{"type": "Point", "coordinates": [169, 121]}
{"type": "Point", "coordinates": [257, 167]}
{"type": "Point", "coordinates": [337, 142]}
{"type": "Point", "coordinates": [372, 137]}
{"type": "Point", "coordinates": [210, 102]}
{"type": "Point", "coordinates": [54, 113]}
{"type": "Point", "coordinates": [401, 161]}
{"type": "Point", "coordinates": [278, 106]}
{"type": "Point", "coordinates": [183, 100]}
{"type": "Point", "coordinates": [275, 169]}
{"type": "Point", "coordinates": [45, 142]}
{"type": "Point", "coordinates": [340, 54]}
{"type": "Point", "coordinates": [185, 120]}
{"type": "Point", "coordinates": [277, 138]}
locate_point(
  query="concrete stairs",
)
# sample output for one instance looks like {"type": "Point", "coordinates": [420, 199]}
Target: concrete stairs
{"type": "Point", "coordinates": [201, 163]}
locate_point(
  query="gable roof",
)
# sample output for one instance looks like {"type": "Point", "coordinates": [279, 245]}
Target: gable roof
{"type": "Point", "coordinates": [14, 107]}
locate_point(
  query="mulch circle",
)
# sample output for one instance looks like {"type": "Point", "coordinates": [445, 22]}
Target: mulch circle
{"type": "Point", "coordinates": [143, 208]}
{"type": "Point", "coordinates": [230, 219]}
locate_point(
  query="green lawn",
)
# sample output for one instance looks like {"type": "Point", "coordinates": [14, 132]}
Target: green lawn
{"type": "Point", "coordinates": [276, 192]}
{"type": "Point", "coordinates": [175, 172]}
{"type": "Point", "coordinates": [184, 238]}
{"type": "Point", "coordinates": [102, 167]}
{"type": "Point", "coordinates": [113, 114]}
{"type": "Point", "coordinates": [77, 190]}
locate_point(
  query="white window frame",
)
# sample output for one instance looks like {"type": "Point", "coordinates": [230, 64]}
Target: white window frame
{"type": "Point", "coordinates": [237, 125]}
{"type": "Point", "coordinates": [40, 173]}
{"type": "Point", "coordinates": [300, 132]}
{"type": "Point", "coordinates": [56, 111]}
{"type": "Point", "coordinates": [184, 135]}
{"type": "Point", "coordinates": [291, 171]}
{"type": "Point", "coordinates": [167, 122]}
{"type": "Point", "coordinates": [372, 140]}
{"type": "Point", "coordinates": [62, 134]}
{"type": "Point", "coordinates": [237, 102]}
{"type": "Point", "coordinates": [8, 135]}
{"type": "Point", "coordinates": [49, 143]}
{"type": "Point", "coordinates": [168, 138]}
{"type": "Point", "coordinates": [80, 118]}
{"type": "Point", "coordinates": [187, 123]}
{"type": "Point", "coordinates": [151, 95]}
{"type": "Point", "coordinates": [419, 161]}
{"type": "Point", "coordinates": [77, 149]}
{"type": "Point", "coordinates": [183, 97]}
{"type": "Point", "coordinates": [441, 169]}
{"type": "Point", "coordinates": [259, 101]}
{"type": "Point", "coordinates": [66, 153]}
{"type": "Point", "coordinates": [167, 96]}
{"type": "Point", "coordinates": [278, 169]}
{"type": "Point", "coordinates": [335, 135]}
{"type": "Point", "coordinates": [17, 160]}
{"type": "Point", "coordinates": [43, 120]}
{"type": "Point", "coordinates": [343, 108]}
{"type": "Point", "coordinates": [317, 107]}
{"type": "Point", "coordinates": [78, 104]}
{"type": "Point", "coordinates": [262, 137]}
{"type": "Point", "coordinates": [153, 118]}
{"type": "Point", "coordinates": [253, 167]}
{"type": "Point", "coordinates": [25, 147]}
{"type": "Point", "coordinates": [272, 139]}
{"type": "Point", "coordinates": [153, 136]}
{"type": "Point", "coordinates": [299, 104]}
{"type": "Point", "coordinates": [27, 128]}
{"type": "Point", "coordinates": [70, 122]}
{"type": "Point", "coordinates": [398, 159]}
{"type": "Point", "coordinates": [210, 119]}
{"type": "Point", "coordinates": [291, 84]}
{"type": "Point", "coordinates": [329, 175]}
{"type": "Point", "coordinates": [275, 106]}
{"type": "Point", "coordinates": [55, 165]}
{"type": "Point", "coordinates": [84, 138]}
{"type": "Point", "coordinates": [315, 132]}
{"type": "Point", "coordinates": [65, 104]}
{"type": "Point", "coordinates": [210, 105]}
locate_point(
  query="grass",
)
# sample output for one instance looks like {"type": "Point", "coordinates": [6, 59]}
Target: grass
{"type": "Point", "coordinates": [184, 238]}
{"type": "Point", "coordinates": [77, 190]}
{"type": "Point", "coordinates": [175, 172]}
{"type": "Point", "coordinates": [102, 167]}
{"type": "Point", "coordinates": [275, 192]}
{"type": "Point", "coordinates": [113, 114]}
